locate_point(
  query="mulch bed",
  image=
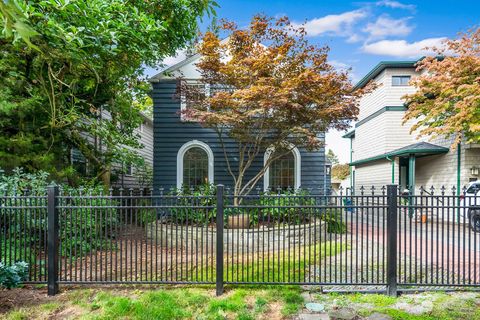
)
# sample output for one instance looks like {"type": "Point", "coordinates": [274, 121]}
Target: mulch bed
{"type": "Point", "coordinates": [22, 297]}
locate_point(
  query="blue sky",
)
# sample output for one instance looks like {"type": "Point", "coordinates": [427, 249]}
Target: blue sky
{"type": "Point", "coordinates": [362, 33]}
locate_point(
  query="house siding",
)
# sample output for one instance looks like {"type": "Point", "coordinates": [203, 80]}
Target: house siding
{"type": "Point", "coordinates": [376, 174]}
{"type": "Point", "coordinates": [370, 138]}
{"type": "Point", "coordinates": [386, 132]}
{"type": "Point", "coordinates": [146, 152]}
{"type": "Point", "coordinates": [171, 133]}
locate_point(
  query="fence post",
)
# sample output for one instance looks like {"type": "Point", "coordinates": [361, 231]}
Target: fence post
{"type": "Point", "coordinates": [52, 239]}
{"type": "Point", "coordinates": [392, 192]}
{"type": "Point", "coordinates": [220, 225]}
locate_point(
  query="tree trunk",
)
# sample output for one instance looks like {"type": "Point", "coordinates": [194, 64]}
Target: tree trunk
{"type": "Point", "coordinates": [105, 176]}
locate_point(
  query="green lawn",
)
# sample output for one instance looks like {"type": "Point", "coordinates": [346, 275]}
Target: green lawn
{"type": "Point", "coordinates": [167, 303]}
{"type": "Point", "coordinates": [240, 302]}
{"type": "Point", "coordinates": [290, 265]}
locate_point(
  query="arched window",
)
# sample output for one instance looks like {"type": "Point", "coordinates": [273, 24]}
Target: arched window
{"type": "Point", "coordinates": [285, 171]}
{"type": "Point", "coordinates": [194, 164]}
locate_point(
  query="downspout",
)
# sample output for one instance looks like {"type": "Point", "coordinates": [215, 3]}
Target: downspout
{"type": "Point", "coordinates": [411, 178]}
{"type": "Point", "coordinates": [393, 168]}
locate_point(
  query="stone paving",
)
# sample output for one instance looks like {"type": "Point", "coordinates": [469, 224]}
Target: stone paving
{"type": "Point", "coordinates": [371, 307]}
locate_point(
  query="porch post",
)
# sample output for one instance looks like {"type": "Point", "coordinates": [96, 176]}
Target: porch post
{"type": "Point", "coordinates": [411, 180]}
{"type": "Point", "coordinates": [411, 173]}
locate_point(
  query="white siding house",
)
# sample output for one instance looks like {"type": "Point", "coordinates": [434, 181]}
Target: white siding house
{"type": "Point", "coordinates": [383, 151]}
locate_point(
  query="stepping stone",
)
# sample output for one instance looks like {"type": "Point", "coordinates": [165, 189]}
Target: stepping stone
{"type": "Point", "coordinates": [315, 307]}
{"type": "Point", "coordinates": [343, 314]}
{"type": "Point", "coordinates": [379, 316]}
{"type": "Point", "coordinates": [312, 316]}
{"type": "Point", "coordinates": [307, 297]}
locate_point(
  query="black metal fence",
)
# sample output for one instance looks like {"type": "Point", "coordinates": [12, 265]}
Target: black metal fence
{"type": "Point", "coordinates": [373, 240]}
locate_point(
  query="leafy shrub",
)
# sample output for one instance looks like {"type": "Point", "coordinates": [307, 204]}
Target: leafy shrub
{"type": "Point", "coordinates": [146, 216]}
{"type": "Point", "coordinates": [12, 276]}
{"type": "Point", "coordinates": [24, 229]}
{"type": "Point", "coordinates": [82, 230]}
{"type": "Point", "coordinates": [190, 203]}
{"type": "Point", "coordinates": [279, 208]}
{"type": "Point", "coordinates": [19, 182]}
{"type": "Point", "coordinates": [334, 222]}
{"type": "Point", "coordinates": [90, 224]}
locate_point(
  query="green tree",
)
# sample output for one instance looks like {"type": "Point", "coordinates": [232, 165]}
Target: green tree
{"type": "Point", "coordinates": [341, 171]}
{"type": "Point", "coordinates": [72, 72]}
{"type": "Point", "coordinates": [447, 100]}
{"type": "Point", "coordinates": [332, 157]}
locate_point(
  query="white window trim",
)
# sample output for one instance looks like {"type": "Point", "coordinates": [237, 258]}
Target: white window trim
{"type": "Point", "coordinates": [298, 166]}
{"type": "Point", "coordinates": [181, 154]}
{"type": "Point", "coordinates": [401, 76]}
{"type": "Point", "coordinates": [183, 99]}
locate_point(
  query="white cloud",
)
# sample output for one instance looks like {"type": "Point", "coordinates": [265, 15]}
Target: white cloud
{"type": "Point", "coordinates": [336, 24]}
{"type": "Point", "coordinates": [341, 66]}
{"type": "Point", "coordinates": [385, 26]}
{"type": "Point", "coordinates": [402, 48]}
{"type": "Point", "coordinates": [396, 5]}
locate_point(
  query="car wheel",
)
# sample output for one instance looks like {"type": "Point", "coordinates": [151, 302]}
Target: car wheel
{"type": "Point", "coordinates": [475, 220]}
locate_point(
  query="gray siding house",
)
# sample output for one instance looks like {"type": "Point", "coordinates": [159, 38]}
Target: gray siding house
{"type": "Point", "coordinates": [131, 177]}
{"type": "Point", "coordinates": [384, 151]}
{"type": "Point", "coordinates": [123, 176]}
{"type": "Point", "coordinates": [187, 154]}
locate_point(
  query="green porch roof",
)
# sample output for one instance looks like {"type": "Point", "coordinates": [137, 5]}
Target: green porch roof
{"type": "Point", "coordinates": [350, 134]}
{"type": "Point", "coordinates": [418, 149]}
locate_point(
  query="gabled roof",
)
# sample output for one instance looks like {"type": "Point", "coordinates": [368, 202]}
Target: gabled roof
{"type": "Point", "coordinates": [174, 67]}
{"type": "Point", "coordinates": [382, 66]}
{"type": "Point", "coordinates": [418, 149]}
{"type": "Point", "coordinates": [180, 64]}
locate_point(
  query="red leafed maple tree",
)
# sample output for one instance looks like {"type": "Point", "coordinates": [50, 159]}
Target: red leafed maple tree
{"type": "Point", "coordinates": [447, 100]}
{"type": "Point", "coordinates": [269, 88]}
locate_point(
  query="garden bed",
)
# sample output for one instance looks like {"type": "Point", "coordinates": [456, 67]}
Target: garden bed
{"type": "Point", "coordinates": [263, 238]}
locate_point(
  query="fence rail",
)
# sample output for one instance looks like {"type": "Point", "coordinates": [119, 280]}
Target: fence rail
{"type": "Point", "coordinates": [376, 240]}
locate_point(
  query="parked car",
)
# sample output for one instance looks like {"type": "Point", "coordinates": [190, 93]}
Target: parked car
{"type": "Point", "coordinates": [470, 201]}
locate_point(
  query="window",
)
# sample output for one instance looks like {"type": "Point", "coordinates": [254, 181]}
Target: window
{"type": "Point", "coordinates": [196, 91]}
{"type": "Point", "coordinates": [128, 169]}
{"type": "Point", "coordinates": [284, 172]}
{"type": "Point", "coordinates": [78, 161]}
{"type": "Point", "coordinates": [194, 165]}
{"type": "Point", "coordinates": [192, 91]}
{"type": "Point", "coordinates": [400, 80]}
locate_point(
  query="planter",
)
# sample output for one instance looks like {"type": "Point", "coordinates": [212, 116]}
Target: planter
{"type": "Point", "coordinates": [423, 218]}
{"type": "Point", "coordinates": [248, 240]}
{"type": "Point", "coordinates": [239, 221]}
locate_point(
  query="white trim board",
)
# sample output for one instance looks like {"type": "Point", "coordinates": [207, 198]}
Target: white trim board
{"type": "Point", "coordinates": [297, 168]}
{"type": "Point", "coordinates": [181, 154]}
